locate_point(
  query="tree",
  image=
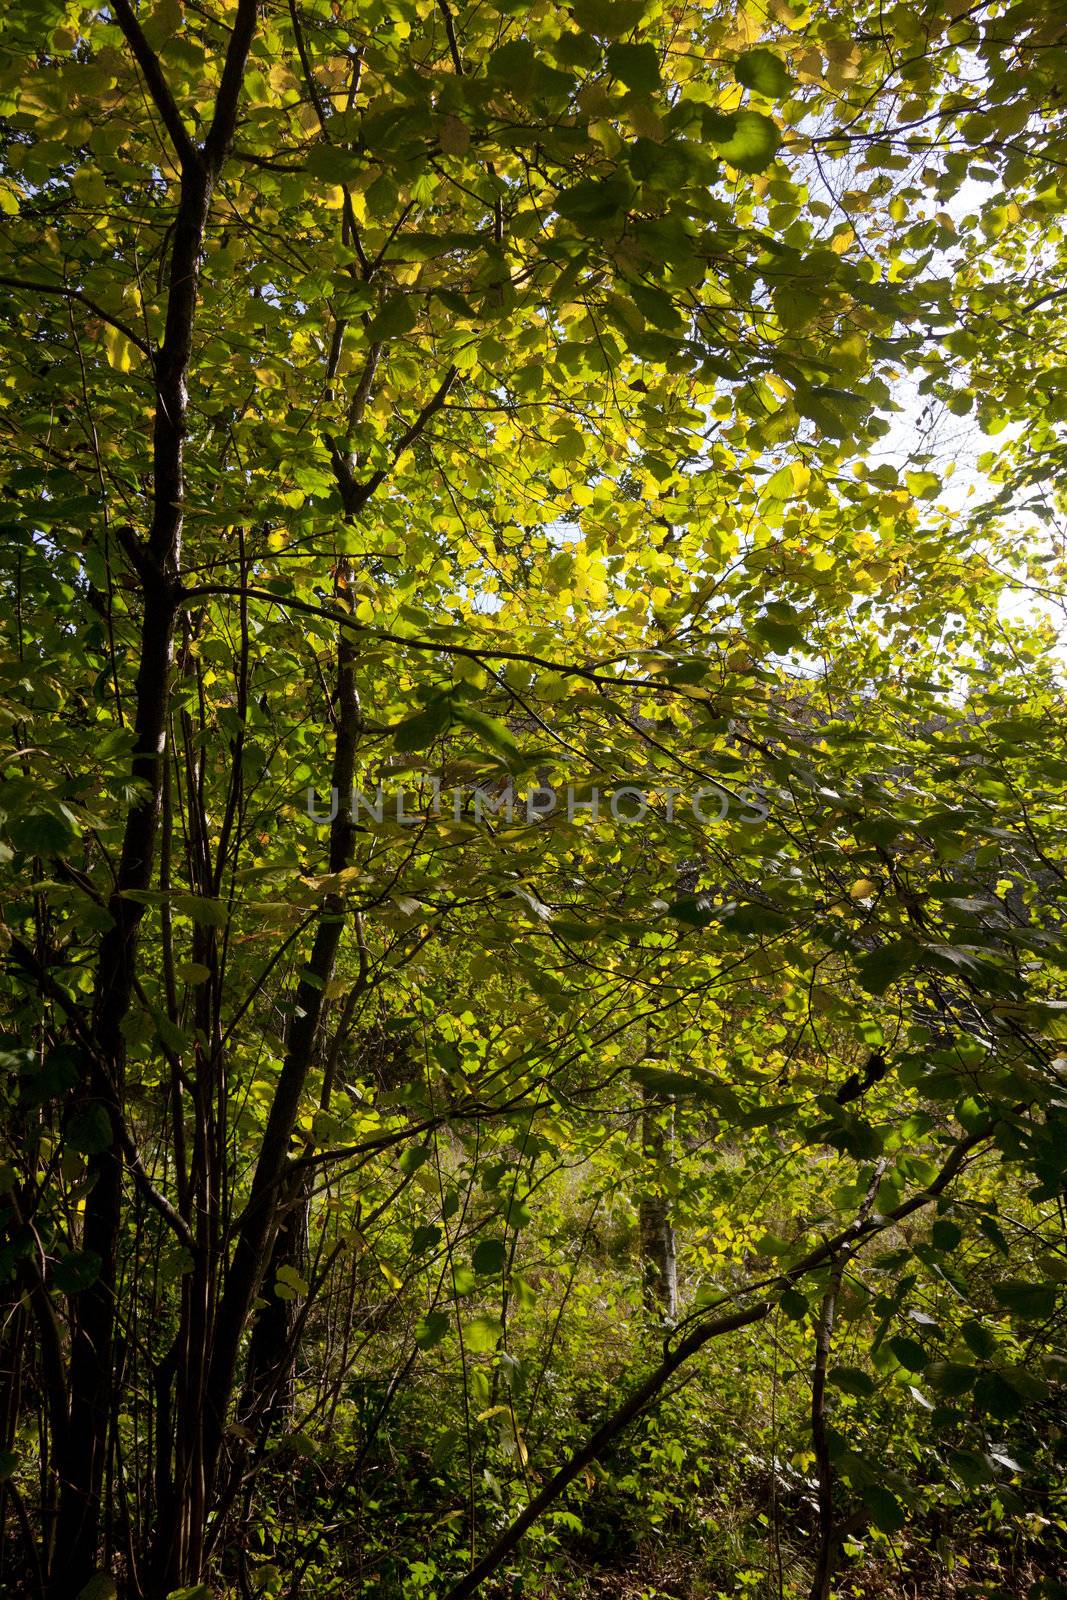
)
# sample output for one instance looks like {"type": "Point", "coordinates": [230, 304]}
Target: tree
{"type": "Point", "coordinates": [443, 399]}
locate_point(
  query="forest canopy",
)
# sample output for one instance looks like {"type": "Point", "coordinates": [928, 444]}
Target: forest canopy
{"type": "Point", "coordinates": [532, 823]}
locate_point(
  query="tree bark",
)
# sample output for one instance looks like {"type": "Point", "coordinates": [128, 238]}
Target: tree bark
{"type": "Point", "coordinates": [824, 1331]}
{"type": "Point", "coordinates": [157, 563]}
{"type": "Point", "coordinates": [269, 1382]}
{"type": "Point", "coordinates": [259, 1221]}
{"type": "Point", "coordinates": [659, 1264]}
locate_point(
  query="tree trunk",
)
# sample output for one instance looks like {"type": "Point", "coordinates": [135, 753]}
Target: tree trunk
{"type": "Point", "coordinates": [659, 1267]}
{"type": "Point", "coordinates": [157, 563]}
{"type": "Point", "coordinates": [270, 1380]}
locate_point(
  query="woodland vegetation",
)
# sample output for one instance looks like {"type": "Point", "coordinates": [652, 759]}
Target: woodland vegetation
{"type": "Point", "coordinates": [482, 399]}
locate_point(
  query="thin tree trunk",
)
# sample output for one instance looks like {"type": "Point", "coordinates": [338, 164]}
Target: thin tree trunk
{"type": "Point", "coordinates": [824, 1331]}
{"type": "Point", "coordinates": [829, 1533]}
{"type": "Point", "coordinates": [659, 1266]}
{"type": "Point", "coordinates": [269, 1385]}
{"type": "Point", "coordinates": [157, 563]}
{"type": "Point", "coordinates": [259, 1221]}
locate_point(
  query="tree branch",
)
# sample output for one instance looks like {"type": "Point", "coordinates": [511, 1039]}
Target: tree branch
{"type": "Point", "coordinates": [61, 290]}
{"type": "Point", "coordinates": [450, 30]}
{"type": "Point", "coordinates": [702, 1334]}
{"type": "Point", "coordinates": [357, 495]}
{"type": "Point", "coordinates": [224, 120]}
{"type": "Point", "coordinates": [158, 87]}
{"type": "Point", "coordinates": [442, 646]}
{"type": "Point", "coordinates": [305, 65]}
{"type": "Point", "coordinates": [24, 957]}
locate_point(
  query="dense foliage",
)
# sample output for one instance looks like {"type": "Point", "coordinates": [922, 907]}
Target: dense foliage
{"type": "Point", "coordinates": [533, 805]}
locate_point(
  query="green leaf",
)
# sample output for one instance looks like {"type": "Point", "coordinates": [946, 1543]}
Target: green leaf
{"type": "Point", "coordinates": [495, 733]}
{"type": "Point", "coordinates": [851, 1380]}
{"type": "Point", "coordinates": [887, 1513]}
{"type": "Point", "coordinates": [946, 1235]}
{"type": "Point", "coordinates": [577, 50]}
{"type": "Point", "coordinates": [1033, 1302]}
{"type": "Point", "coordinates": [99, 1587]}
{"type": "Point", "coordinates": [41, 833]}
{"type": "Point", "coordinates": [288, 1283]}
{"type": "Point", "coordinates": [419, 731]}
{"type": "Point", "coordinates": [490, 1256]}
{"type": "Point", "coordinates": [1054, 1267]}
{"type": "Point", "coordinates": [694, 910]}
{"type": "Point", "coordinates": [9, 1460]}
{"type": "Point", "coordinates": [75, 1271]}
{"type": "Point", "coordinates": [982, 1341]}
{"type": "Point", "coordinates": [595, 201]}
{"type": "Point", "coordinates": [636, 65]}
{"type": "Point", "coordinates": [89, 1132]}
{"type": "Point", "coordinates": [746, 139]}
{"type": "Point", "coordinates": [1027, 1384]}
{"type": "Point", "coordinates": [764, 72]}
{"type": "Point", "coordinates": [482, 1333]}
{"type": "Point", "coordinates": [994, 1233]}
{"type": "Point", "coordinates": [971, 1467]}
{"type": "Point", "coordinates": [192, 972]}
{"type": "Point", "coordinates": [203, 910]}
{"type": "Point", "coordinates": [513, 65]}
{"type": "Point", "coordinates": [689, 1085]}
{"type": "Point", "coordinates": [950, 1377]}
{"type": "Point", "coordinates": [414, 1158]}
{"type": "Point", "coordinates": [924, 485]}
{"type": "Point", "coordinates": [838, 413]}
{"type": "Point", "coordinates": [58, 1072]}
{"type": "Point", "coordinates": [609, 18]}
{"type": "Point", "coordinates": [909, 1352]}
{"type": "Point", "coordinates": [996, 1397]}
{"type": "Point", "coordinates": [396, 316]}
{"type": "Point", "coordinates": [335, 165]}
{"type": "Point", "coordinates": [782, 636]}
{"type": "Point", "coordinates": [175, 1264]}
{"type": "Point", "coordinates": [431, 1329]}
{"type": "Point", "coordinates": [884, 966]}
{"type": "Point", "coordinates": [326, 1129]}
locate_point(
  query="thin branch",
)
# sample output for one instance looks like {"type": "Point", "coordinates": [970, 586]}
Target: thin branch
{"type": "Point", "coordinates": [706, 1330]}
{"type": "Point", "coordinates": [305, 64]}
{"type": "Point", "coordinates": [450, 30]}
{"type": "Point", "coordinates": [62, 290]}
{"type": "Point", "coordinates": [224, 120]}
{"type": "Point", "coordinates": [158, 87]}
{"type": "Point", "coordinates": [158, 1201]}
{"type": "Point", "coordinates": [355, 494]}
{"type": "Point", "coordinates": [24, 957]}
{"type": "Point", "coordinates": [443, 646]}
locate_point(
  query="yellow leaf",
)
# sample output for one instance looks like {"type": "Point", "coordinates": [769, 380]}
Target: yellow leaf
{"type": "Point", "coordinates": [118, 349]}
{"type": "Point", "coordinates": [390, 1276]}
